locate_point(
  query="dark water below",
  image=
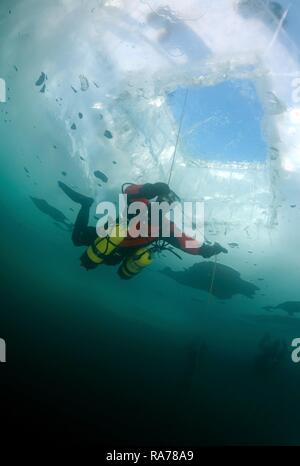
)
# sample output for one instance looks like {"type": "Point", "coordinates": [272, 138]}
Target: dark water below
{"type": "Point", "coordinates": [140, 368]}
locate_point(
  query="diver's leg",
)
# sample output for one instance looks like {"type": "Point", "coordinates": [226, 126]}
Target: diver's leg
{"type": "Point", "coordinates": [82, 235]}
{"type": "Point", "coordinates": [74, 195]}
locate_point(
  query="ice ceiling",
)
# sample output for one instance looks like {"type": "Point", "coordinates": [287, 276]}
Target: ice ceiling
{"type": "Point", "coordinates": [110, 66]}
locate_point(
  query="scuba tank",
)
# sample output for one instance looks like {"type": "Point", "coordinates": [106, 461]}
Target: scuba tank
{"type": "Point", "coordinates": [102, 248]}
{"type": "Point", "coordinates": [143, 257]}
{"type": "Point", "coordinates": [133, 265]}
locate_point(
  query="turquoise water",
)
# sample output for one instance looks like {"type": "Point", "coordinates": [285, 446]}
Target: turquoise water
{"type": "Point", "coordinates": [191, 352]}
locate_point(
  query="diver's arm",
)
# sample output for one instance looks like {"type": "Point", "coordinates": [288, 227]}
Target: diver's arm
{"type": "Point", "coordinates": [206, 250]}
{"type": "Point", "coordinates": [183, 242]}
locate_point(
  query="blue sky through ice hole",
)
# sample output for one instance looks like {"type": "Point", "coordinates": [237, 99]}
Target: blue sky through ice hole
{"type": "Point", "coordinates": [221, 123]}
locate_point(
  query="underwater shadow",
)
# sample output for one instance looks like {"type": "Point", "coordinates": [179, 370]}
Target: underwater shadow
{"type": "Point", "coordinates": [52, 212]}
{"type": "Point", "coordinates": [290, 307]}
{"type": "Point", "coordinates": [227, 282]}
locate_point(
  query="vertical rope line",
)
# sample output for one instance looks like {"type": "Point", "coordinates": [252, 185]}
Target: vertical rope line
{"type": "Point", "coordinates": [170, 175]}
{"type": "Point", "coordinates": [211, 287]}
{"type": "Point", "coordinates": [213, 276]}
{"type": "Point", "coordinates": [178, 135]}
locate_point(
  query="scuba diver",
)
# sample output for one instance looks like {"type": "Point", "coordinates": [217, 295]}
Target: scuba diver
{"type": "Point", "coordinates": [132, 253]}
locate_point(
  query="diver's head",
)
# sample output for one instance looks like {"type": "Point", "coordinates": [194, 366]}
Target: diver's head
{"type": "Point", "coordinates": [165, 194]}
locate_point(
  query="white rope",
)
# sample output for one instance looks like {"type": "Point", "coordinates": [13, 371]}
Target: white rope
{"type": "Point", "coordinates": [211, 287]}
{"type": "Point", "coordinates": [178, 135]}
{"type": "Point", "coordinates": [170, 175]}
{"type": "Point", "coordinates": [213, 276]}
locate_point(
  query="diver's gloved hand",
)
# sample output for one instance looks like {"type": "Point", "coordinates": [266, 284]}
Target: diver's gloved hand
{"type": "Point", "coordinates": [209, 250]}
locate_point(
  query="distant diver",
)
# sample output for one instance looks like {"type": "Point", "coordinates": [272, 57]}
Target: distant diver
{"type": "Point", "coordinates": [133, 254]}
